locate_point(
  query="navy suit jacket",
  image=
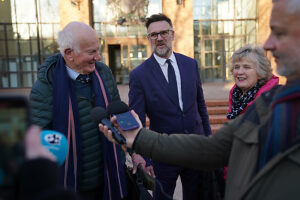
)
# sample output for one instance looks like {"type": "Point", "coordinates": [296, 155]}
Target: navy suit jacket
{"type": "Point", "coordinates": [148, 95]}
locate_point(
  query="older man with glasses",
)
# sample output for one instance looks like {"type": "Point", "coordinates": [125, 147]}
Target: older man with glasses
{"type": "Point", "coordinates": [167, 88]}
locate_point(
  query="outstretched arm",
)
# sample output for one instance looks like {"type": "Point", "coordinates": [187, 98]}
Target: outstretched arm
{"type": "Point", "coordinates": [192, 151]}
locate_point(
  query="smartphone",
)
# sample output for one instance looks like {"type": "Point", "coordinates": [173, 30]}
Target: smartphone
{"type": "Point", "coordinates": [14, 121]}
{"type": "Point", "coordinates": [126, 121]}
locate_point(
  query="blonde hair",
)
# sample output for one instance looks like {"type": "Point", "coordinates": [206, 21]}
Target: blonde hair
{"type": "Point", "coordinates": [256, 54]}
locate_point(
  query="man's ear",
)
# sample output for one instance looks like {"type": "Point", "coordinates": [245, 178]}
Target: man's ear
{"type": "Point", "coordinates": [68, 54]}
{"type": "Point", "coordinates": [173, 35]}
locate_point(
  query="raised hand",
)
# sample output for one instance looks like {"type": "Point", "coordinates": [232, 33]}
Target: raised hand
{"type": "Point", "coordinates": [129, 135]}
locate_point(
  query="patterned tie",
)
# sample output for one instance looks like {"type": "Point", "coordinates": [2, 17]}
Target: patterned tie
{"type": "Point", "coordinates": [172, 81]}
{"type": "Point", "coordinates": [83, 78]}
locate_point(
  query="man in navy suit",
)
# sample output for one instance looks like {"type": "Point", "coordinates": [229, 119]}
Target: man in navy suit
{"type": "Point", "coordinates": [167, 88]}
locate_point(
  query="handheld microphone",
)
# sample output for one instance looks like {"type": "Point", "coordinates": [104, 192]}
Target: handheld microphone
{"type": "Point", "coordinates": [117, 107]}
{"type": "Point", "coordinates": [98, 114]}
{"type": "Point", "coordinates": [56, 143]}
{"type": "Point", "coordinates": [125, 119]}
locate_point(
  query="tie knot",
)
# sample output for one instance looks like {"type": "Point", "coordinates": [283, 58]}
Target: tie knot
{"type": "Point", "coordinates": [83, 78]}
{"type": "Point", "coordinates": [168, 61]}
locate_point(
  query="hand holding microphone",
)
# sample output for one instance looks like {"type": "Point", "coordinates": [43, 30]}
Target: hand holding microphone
{"type": "Point", "coordinates": [33, 146]}
{"type": "Point", "coordinates": [99, 115]}
{"type": "Point", "coordinates": [47, 144]}
{"type": "Point", "coordinates": [128, 135]}
{"type": "Point", "coordinates": [129, 125]}
{"type": "Point", "coordinates": [125, 119]}
{"type": "Point", "coordinates": [56, 143]}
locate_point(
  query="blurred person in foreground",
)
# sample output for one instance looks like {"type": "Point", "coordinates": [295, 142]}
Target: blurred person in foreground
{"type": "Point", "coordinates": [69, 85]}
{"type": "Point", "coordinates": [252, 74]}
{"type": "Point", "coordinates": [260, 147]}
{"type": "Point", "coordinates": [39, 175]}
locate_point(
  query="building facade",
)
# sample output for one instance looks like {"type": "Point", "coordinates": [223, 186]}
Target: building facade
{"type": "Point", "coordinates": [208, 30]}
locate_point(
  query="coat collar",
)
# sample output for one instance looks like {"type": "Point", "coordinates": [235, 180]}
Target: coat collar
{"type": "Point", "coordinates": [249, 134]}
{"type": "Point", "coordinates": [292, 154]}
{"type": "Point", "coordinates": [250, 122]}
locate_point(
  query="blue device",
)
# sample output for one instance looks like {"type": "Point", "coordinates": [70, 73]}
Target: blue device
{"type": "Point", "coordinates": [126, 121]}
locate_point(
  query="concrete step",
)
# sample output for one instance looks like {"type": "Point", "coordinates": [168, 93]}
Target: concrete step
{"type": "Point", "coordinates": [147, 122]}
{"type": "Point", "coordinates": [217, 110]}
{"type": "Point", "coordinates": [217, 119]}
{"type": "Point", "coordinates": [218, 102]}
{"type": "Point", "coordinates": [214, 110]}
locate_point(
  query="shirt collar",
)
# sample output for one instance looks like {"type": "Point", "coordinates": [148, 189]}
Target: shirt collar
{"type": "Point", "coordinates": [161, 61]}
{"type": "Point", "coordinates": [72, 74]}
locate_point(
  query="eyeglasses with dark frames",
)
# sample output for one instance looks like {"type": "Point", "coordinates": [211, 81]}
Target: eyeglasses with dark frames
{"type": "Point", "coordinates": [163, 34]}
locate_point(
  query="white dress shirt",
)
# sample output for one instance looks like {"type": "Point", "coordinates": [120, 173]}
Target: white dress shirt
{"type": "Point", "coordinates": [164, 67]}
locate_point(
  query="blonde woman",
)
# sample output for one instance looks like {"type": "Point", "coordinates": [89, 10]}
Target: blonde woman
{"type": "Point", "coordinates": [252, 74]}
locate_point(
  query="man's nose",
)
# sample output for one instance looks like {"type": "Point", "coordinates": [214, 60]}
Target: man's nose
{"type": "Point", "coordinates": [97, 57]}
{"type": "Point", "coordinates": [269, 44]}
{"type": "Point", "coordinates": [159, 37]}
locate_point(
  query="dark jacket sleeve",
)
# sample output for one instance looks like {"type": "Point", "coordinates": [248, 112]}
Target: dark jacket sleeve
{"type": "Point", "coordinates": [41, 103]}
{"type": "Point", "coordinates": [137, 100]}
{"type": "Point", "coordinates": [201, 104]}
{"type": "Point", "coordinates": [41, 95]}
{"type": "Point", "coordinates": [190, 151]}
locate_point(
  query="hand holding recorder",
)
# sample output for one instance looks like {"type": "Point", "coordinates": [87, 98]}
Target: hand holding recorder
{"type": "Point", "coordinates": [123, 122]}
{"type": "Point", "coordinates": [128, 135]}
{"type": "Point", "coordinates": [125, 119]}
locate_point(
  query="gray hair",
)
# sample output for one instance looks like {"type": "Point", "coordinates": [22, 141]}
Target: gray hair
{"type": "Point", "coordinates": [293, 6]}
{"type": "Point", "coordinates": [67, 39]}
{"type": "Point", "coordinates": [257, 55]}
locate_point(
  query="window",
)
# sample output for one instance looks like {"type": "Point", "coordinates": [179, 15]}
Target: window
{"type": "Point", "coordinates": [220, 28]}
{"type": "Point", "coordinates": [25, 44]}
{"type": "Point", "coordinates": [120, 25]}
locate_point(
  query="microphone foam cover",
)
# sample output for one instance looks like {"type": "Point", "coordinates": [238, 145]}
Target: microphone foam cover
{"type": "Point", "coordinates": [56, 143]}
{"type": "Point", "coordinates": [117, 107]}
{"type": "Point", "coordinates": [97, 114]}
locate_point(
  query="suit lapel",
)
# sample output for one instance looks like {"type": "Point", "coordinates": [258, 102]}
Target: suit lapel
{"type": "Point", "coordinates": [160, 78]}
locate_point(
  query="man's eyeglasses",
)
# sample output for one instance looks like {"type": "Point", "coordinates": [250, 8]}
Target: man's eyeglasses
{"type": "Point", "coordinates": [163, 34]}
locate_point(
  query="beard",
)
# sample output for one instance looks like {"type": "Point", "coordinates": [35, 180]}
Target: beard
{"type": "Point", "coordinates": [161, 52]}
{"type": "Point", "coordinates": [288, 67]}
{"type": "Point", "coordinates": [284, 71]}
